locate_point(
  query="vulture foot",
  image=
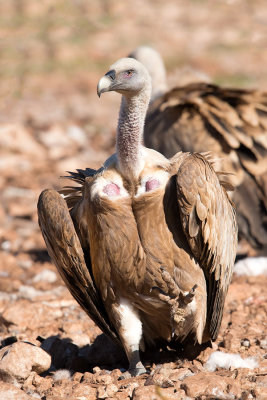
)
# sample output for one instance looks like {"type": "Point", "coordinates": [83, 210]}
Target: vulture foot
{"type": "Point", "coordinates": [134, 370]}
{"type": "Point", "coordinates": [176, 299]}
{"type": "Point", "coordinates": [136, 367]}
{"type": "Point", "coordinates": [138, 370]}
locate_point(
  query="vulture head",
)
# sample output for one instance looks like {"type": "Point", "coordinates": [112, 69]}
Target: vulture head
{"type": "Point", "coordinates": [126, 76]}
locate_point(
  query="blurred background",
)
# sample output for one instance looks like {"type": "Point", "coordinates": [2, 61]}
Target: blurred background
{"type": "Point", "coordinates": [55, 50]}
{"type": "Point", "coordinates": [52, 54]}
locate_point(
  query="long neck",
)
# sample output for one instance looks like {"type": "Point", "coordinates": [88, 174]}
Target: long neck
{"type": "Point", "coordinates": [130, 132]}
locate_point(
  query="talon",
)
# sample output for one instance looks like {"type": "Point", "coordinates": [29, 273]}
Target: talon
{"type": "Point", "coordinates": [187, 298]}
{"type": "Point", "coordinates": [194, 288]}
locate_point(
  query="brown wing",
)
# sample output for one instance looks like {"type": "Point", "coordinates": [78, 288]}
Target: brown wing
{"type": "Point", "coordinates": [66, 252]}
{"type": "Point", "coordinates": [230, 123]}
{"type": "Point", "coordinates": [236, 118]}
{"type": "Point", "coordinates": [208, 220]}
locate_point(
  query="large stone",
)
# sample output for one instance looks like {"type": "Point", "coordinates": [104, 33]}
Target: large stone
{"type": "Point", "coordinates": [210, 385]}
{"type": "Point", "coordinates": [20, 359]}
{"type": "Point", "coordinates": [11, 392]}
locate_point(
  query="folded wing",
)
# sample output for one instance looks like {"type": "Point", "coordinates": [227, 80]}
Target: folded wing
{"type": "Point", "coordinates": [67, 254]}
{"type": "Point", "coordinates": [209, 223]}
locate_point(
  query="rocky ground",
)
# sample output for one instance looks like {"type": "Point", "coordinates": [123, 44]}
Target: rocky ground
{"type": "Point", "coordinates": [50, 349]}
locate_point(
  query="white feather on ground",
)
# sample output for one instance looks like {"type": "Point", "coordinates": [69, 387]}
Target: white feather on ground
{"type": "Point", "coordinates": [219, 359]}
{"type": "Point", "coordinates": [251, 266]}
{"type": "Point", "coordinates": [61, 374]}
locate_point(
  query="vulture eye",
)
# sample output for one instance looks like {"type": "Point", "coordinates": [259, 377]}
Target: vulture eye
{"type": "Point", "coordinates": [128, 73]}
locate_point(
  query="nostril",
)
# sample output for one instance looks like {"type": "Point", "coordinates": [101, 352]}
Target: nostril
{"type": "Point", "coordinates": [111, 74]}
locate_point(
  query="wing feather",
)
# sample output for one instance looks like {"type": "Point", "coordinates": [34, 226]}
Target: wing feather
{"type": "Point", "coordinates": [67, 254]}
{"type": "Point", "coordinates": [209, 223]}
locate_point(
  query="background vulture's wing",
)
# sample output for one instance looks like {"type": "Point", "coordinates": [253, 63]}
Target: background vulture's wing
{"type": "Point", "coordinates": [67, 254]}
{"type": "Point", "coordinates": [236, 119]}
{"type": "Point", "coordinates": [230, 123]}
{"type": "Point", "coordinates": [209, 223]}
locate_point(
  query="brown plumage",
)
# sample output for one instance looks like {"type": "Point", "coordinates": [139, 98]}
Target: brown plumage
{"type": "Point", "coordinates": [230, 123]}
{"type": "Point", "coordinates": [146, 245]}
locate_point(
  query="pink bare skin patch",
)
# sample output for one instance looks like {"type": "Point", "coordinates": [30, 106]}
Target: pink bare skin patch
{"type": "Point", "coordinates": [152, 184]}
{"type": "Point", "coordinates": [111, 189]}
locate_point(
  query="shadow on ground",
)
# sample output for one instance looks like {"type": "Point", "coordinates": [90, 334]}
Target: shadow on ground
{"type": "Point", "coordinates": [105, 354]}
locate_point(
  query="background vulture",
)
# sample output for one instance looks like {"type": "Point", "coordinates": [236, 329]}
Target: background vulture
{"type": "Point", "coordinates": [230, 123]}
{"type": "Point", "coordinates": [145, 244]}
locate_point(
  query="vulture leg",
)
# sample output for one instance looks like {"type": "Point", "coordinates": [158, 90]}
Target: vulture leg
{"type": "Point", "coordinates": [129, 328]}
{"type": "Point", "coordinates": [136, 367]}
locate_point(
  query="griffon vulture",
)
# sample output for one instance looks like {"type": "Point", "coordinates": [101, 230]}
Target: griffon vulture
{"type": "Point", "coordinates": [146, 245]}
{"type": "Point", "coordinates": [230, 123]}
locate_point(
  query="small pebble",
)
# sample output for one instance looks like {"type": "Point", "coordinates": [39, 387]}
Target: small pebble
{"type": "Point", "coordinates": [245, 342]}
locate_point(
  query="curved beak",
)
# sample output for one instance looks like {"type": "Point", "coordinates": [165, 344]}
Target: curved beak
{"type": "Point", "coordinates": [106, 82]}
{"type": "Point", "coordinates": [103, 85]}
